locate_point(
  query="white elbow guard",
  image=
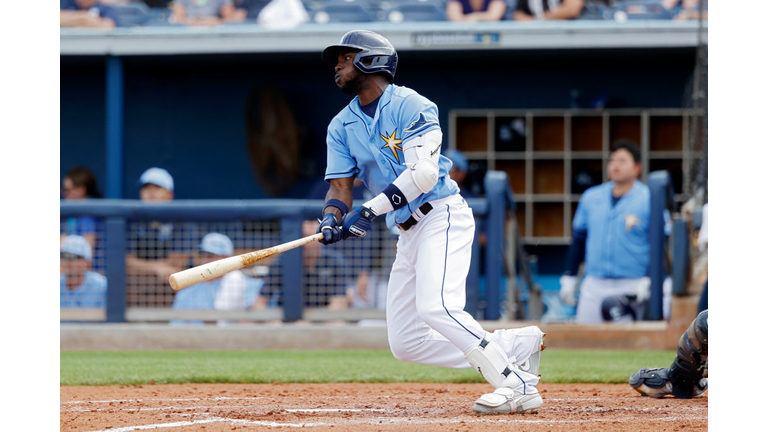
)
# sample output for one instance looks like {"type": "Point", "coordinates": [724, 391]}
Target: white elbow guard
{"type": "Point", "coordinates": [422, 155]}
{"type": "Point", "coordinates": [425, 173]}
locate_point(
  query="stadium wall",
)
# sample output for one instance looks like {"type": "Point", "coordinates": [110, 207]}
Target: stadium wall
{"type": "Point", "coordinates": [188, 113]}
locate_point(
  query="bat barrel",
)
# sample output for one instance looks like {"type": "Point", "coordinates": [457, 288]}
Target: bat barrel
{"type": "Point", "coordinates": [205, 272]}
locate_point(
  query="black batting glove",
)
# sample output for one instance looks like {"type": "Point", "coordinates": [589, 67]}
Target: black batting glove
{"type": "Point", "coordinates": [330, 228]}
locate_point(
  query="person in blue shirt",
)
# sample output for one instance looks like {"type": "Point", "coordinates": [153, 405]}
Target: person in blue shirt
{"type": "Point", "coordinates": [79, 183]}
{"type": "Point", "coordinates": [79, 287]}
{"type": "Point", "coordinates": [84, 13]}
{"type": "Point", "coordinates": [475, 10]}
{"type": "Point", "coordinates": [389, 137]}
{"type": "Point", "coordinates": [610, 235]}
{"type": "Point", "coordinates": [233, 292]}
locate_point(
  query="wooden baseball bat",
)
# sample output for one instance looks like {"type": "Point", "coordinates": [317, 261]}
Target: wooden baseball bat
{"type": "Point", "coordinates": [217, 268]}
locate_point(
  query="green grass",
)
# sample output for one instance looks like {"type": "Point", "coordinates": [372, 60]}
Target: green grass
{"type": "Point", "coordinates": [165, 367]}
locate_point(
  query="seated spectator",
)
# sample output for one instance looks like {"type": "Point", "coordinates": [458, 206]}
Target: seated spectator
{"type": "Point", "coordinates": [328, 280]}
{"type": "Point", "coordinates": [475, 10]}
{"type": "Point", "coordinates": [80, 183]}
{"type": "Point", "coordinates": [685, 9]}
{"type": "Point", "coordinates": [528, 10]}
{"type": "Point", "coordinates": [206, 12]}
{"type": "Point", "coordinates": [233, 291]}
{"type": "Point", "coordinates": [156, 249]}
{"type": "Point", "coordinates": [79, 287]}
{"type": "Point", "coordinates": [86, 13]}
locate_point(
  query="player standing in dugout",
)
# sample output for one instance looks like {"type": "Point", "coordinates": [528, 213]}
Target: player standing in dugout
{"type": "Point", "coordinates": [389, 137]}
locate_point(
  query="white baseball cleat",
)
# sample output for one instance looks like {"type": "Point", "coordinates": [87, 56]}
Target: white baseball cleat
{"type": "Point", "coordinates": [507, 401]}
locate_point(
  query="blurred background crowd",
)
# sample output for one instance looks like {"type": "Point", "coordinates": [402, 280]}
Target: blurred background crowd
{"type": "Point", "coordinates": [289, 13]}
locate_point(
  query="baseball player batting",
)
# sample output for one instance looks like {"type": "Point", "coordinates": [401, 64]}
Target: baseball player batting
{"type": "Point", "coordinates": [389, 137]}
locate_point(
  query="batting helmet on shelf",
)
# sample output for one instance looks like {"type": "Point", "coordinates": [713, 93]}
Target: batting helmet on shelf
{"type": "Point", "coordinates": [618, 308]}
{"type": "Point", "coordinates": [375, 53]}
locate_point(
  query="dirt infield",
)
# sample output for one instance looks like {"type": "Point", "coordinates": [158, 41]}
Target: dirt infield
{"type": "Point", "coordinates": [366, 407]}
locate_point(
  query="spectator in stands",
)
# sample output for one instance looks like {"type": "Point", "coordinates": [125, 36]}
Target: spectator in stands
{"type": "Point", "coordinates": [528, 10]}
{"type": "Point", "coordinates": [685, 9]}
{"type": "Point", "coordinates": [458, 171]}
{"type": "Point", "coordinates": [251, 7]}
{"type": "Point", "coordinates": [234, 291]}
{"type": "Point", "coordinates": [206, 12]}
{"type": "Point", "coordinates": [157, 249]}
{"type": "Point", "coordinates": [79, 287]}
{"type": "Point", "coordinates": [79, 183]}
{"type": "Point", "coordinates": [328, 280]}
{"type": "Point", "coordinates": [610, 233]}
{"type": "Point", "coordinates": [86, 13]}
{"type": "Point", "coordinates": [475, 10]}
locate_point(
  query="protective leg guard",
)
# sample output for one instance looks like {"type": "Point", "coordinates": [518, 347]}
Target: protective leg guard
{"type": "Point", "coordinates": [493, 364]}
{"type": "Point", "coordinates": [688, 373]}
{"type": "Point", "coordinates": [512, 394]}
{"type": "Point", "coordinates": [525, 344]}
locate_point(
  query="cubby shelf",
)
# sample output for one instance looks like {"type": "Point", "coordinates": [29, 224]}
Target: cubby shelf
{"type": "Point", "coordinates": [551, 156]}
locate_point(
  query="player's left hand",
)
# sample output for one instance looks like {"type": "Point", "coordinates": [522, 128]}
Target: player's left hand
{"type": "Point", "coordinates": [357, 222]}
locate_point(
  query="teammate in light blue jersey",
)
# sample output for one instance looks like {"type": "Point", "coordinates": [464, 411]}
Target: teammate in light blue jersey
{"type": "Point", "coordinates": [611, 235]}
{"type": "Point", "coordinates": [389, 137]}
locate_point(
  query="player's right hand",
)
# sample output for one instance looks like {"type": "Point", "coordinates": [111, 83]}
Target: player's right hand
{"type": "Point", "coordinates": [568, 285]}
{"type": "Point", "coordinates": [330, 228]}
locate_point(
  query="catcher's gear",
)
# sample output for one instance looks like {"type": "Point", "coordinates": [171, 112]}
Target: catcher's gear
{"type": "Point", "coordinates": [656, 383]}
{"type": "Point", "coordinates": [375, 53]}
{"type": "Point", "coordinates": [357, 222]}
{"type": "Point", "coordinates": [330, 229]}
{"type": "Point", "coordinates": [690, 365]}
{"type": "Point", "coordinates": [688, 376]}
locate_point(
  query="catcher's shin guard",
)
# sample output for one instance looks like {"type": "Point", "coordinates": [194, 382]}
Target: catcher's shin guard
{"type": "Point", "coordinates": [688, 373]}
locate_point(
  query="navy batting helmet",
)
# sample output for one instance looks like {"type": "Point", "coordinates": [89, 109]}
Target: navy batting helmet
{"type": "Point", "coordinates": [375, 53]}
{"type": "Point", "coordinates": [618, 308]}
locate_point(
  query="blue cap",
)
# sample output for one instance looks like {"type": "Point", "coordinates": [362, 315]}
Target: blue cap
{"type": "Point", "coordinates": [217, 244]}
{"type": "Point", "coordinates": [457, 157]}
{"type": "Point", "coordinates": [77, 245]}
{"type": "Point", "coordinates": [157, 176]}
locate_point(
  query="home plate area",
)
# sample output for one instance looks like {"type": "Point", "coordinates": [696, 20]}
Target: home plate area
{"type": "Point", "coordinates": [366, 407]}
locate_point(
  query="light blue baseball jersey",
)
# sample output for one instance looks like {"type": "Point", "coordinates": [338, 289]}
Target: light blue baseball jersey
{"type": "Point", "coordinates": [372, 148]}
{"type": "Point", "coordinates": [617, 236]}
{"type": "Point", "coordinates": [92, 293]}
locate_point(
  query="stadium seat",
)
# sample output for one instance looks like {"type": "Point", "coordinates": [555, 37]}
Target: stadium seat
{"type": "Point", "coordinates": [340, 13]}
{"type": "Point", "coordinates": [415, 12]}
{"type": "Point", "coordinates": [129, 14]}
{"type": "Point", "coordinates": [642, 10]}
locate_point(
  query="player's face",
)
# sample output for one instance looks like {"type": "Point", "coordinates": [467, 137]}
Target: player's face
{"type": "Point", "coordinates": [347, 76]}
{"type": "Point", "coordinates": [622, 167]}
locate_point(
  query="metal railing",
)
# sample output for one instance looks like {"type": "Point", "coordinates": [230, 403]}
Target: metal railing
{"type": "Point", "coordinates": [116, 215]}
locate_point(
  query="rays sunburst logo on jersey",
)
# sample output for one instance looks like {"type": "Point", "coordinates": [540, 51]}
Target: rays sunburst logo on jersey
{"type": "Point", "coordinates": [393, 143]}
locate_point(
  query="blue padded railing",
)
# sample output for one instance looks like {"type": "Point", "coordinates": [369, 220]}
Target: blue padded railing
{"type": "Point", "coordinates": [662, 198]}
{"type": "Point", "coordinates": [291, 212]}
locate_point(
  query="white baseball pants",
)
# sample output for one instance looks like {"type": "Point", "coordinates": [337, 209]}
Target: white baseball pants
{"type": "Point", "coordinates": [426, 321]}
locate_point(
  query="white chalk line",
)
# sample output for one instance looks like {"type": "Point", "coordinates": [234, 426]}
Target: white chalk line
{"type": "Point", "coordinates": [388, 421]}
